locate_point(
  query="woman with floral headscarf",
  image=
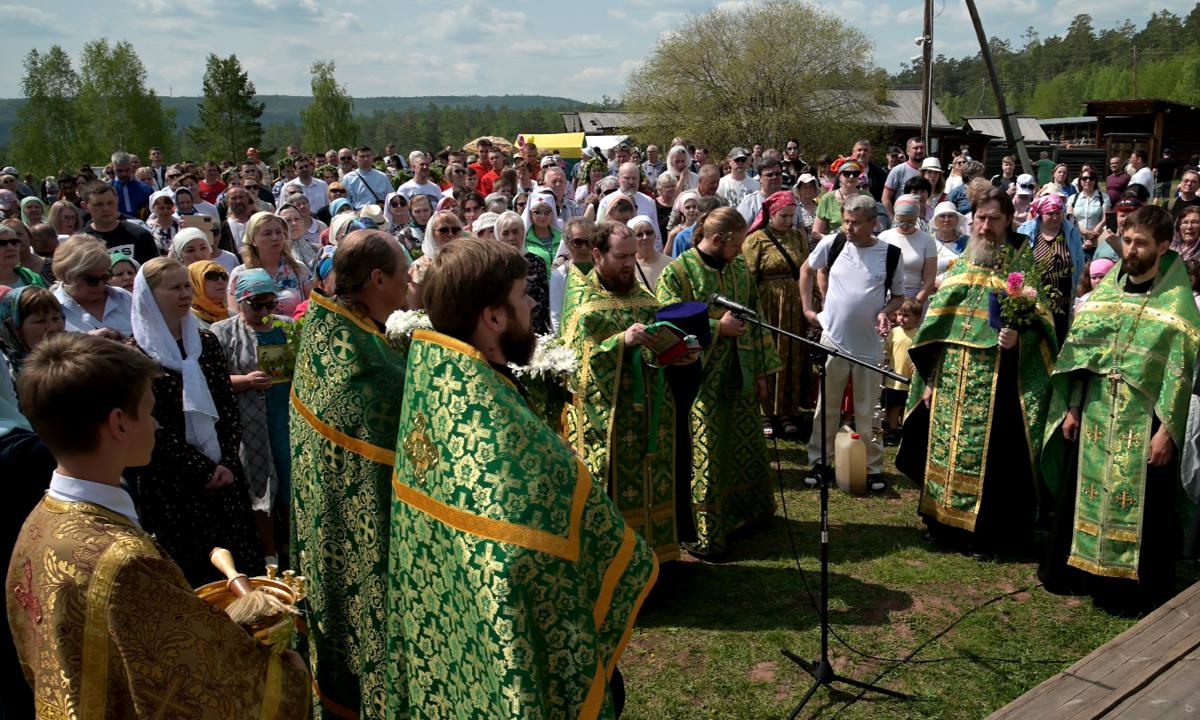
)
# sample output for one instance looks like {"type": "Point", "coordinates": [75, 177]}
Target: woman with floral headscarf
{"type": "Point", "coordinates": [28, 315]}
{"type": "Point", "coordinates": [774, 251]}
{"type": "Point", "coordinates": [1058, 250]}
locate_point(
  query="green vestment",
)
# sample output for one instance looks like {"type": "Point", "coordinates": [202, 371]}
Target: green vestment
{"type": "Point", "coordinates": [957, 352]}
{"type": "Point", "coordinates": [731, 479]}
{"type": "Point", "coordinates": [622, 421]}
{"type": "Point", "coordinates": [1137, 352]}
{"type": "Point", "coordinates": [346, 396]}
{"type": "Point", "coordinates": [515, 582]}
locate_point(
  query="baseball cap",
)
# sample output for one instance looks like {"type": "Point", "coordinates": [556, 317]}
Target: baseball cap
{"type": "Point", "coordinates": [1128, 204]}
{"type": "Point", "coordinates": [549, 160]}
{"type": "Point", "coordinates": [1025, 184]}
{"type": "Point", "coordinates": [9, 170]}
{"type": "Point", "coordinates": [484, 221]}
{"type": "Point", "coordinates": [738, 152]}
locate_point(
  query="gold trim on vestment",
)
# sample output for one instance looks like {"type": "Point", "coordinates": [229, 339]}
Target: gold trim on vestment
{"type": "Point", "coordinates": [566, 547]}
{"type": "Point", "coordinates": [1162, 316]}
{"type": "Point", "coordinates": [1102, 570]}
{"type": "Point", "coordinates": [637, 608]}
{"type": "Point", "coordinates": [988, 279]}
{"type": "Point", "coordinates": [437, 338]}
{"type": "Point", "coordinates": [612, 575]}
{"type": "Point", "coordinates": [332, 306]}
{"type": "Point", "coordinates": [374, 453]}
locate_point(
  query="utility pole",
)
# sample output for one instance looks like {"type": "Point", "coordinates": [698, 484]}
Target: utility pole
{"type": "Point", "coordinates": [1134, 93]}
{"type": "Point", "coordinates": [927, 79]}
{"type": "Point", "coordinates": [1012, 130]}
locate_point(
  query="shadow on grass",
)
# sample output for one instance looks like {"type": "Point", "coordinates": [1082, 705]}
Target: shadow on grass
{"type": "Point", "coordinates": [735, 598]}
{"type": "Point", "coordinates": [848, 542]}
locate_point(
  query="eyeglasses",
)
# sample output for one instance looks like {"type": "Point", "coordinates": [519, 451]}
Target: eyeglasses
{"type": "Point", "coordinates": [449, 230]}
{"type": "Point", "coordinates": [94, 280]}
{"type": "Point", "coordinates": [345, 158]}
{"type": "Point", "coordinates": [250, 187]}
{"type": "Point", "coordinates": [1086, 178]}
{"type": "Point", "coordinates": [173, 176]}
{"type": "Point", "coordinates": [539, 212]}
{"type": "Point", "coordinates": [740, 159]}
{"type": "Point", "coordinates": [395, 204]}
{"type": "Point", "coordinates": [851, 173]}
{"type": "Point", "coordinates": [261, 305]}
{"type": "Point", "coordinates": [644, 234]}
{"type": "Point", "coordinates": [336, 191]}
{"type": "Point", "coordinates": [10, 242]}
{"type": "Point", "coordinates": [580, 243]}
{"type": "Point", "coordinates": [215, 275]}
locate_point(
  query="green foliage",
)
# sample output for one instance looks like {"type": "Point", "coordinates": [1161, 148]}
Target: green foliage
{"type": "Point", "coordinates": [48, 135]}
{"type": "Point", "coordinates": [329, 121]}
{"type": "Point", "coordinates": [725, 76]}
{"type": "Point", "coordinates": [123, 113]}
{"type": "Point", "coordinates": [229, 114]}
{"type": "Point", "coordinates": [1054, 76]}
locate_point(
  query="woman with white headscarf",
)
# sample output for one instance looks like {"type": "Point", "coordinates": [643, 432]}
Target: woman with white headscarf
{"type": "Point", "coordinates": [399, 219]}
{"type": "Point", "coordinates": [192, 495]}
{"type": "Point", "coordinates": [543, 229]}
{"type": "Point", "coordinates": [510, 230]}
{"type": "Point", "coordinates": [680, 163]}
{"type": "Point", "coordinates": [650, 262]}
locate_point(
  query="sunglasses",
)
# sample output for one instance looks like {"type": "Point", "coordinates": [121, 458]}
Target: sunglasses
{"type": "Point", "coordinates": [539, 212]}
{"type": "Point", "coordinates": [644, 234]}
{"type": "Point", "coordinates": [580, 243]}
{"type": "Point", "coordinates": [10, 242]}
{"type": "Point", "coordinates": [249, 187]}
{"type": "Point", "coordinates": [449, 230]}
{"type": "Point", "coordinates": [261, 305]}
{"type": "Point", "coordinates": [851, 173]}
{"type": "Point", "coordinates": [336, 191]}
{"type": "Point", "coordinates": [345, 158]}
{"type": "Point", "coordinates": [94, 280]}
{"type": "Point", "coordinates": [397, 204]}
{"type": "Point", "coordinates": [215, 275]}
{"type": "Point", "coordinates": [1083, 178]}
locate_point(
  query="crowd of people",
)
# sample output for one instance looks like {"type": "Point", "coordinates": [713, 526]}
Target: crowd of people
{"type": "Point", "coordinates": [204, 354]}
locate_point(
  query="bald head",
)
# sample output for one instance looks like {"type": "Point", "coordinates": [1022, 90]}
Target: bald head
{"type": "Point", "coordinates": [629, 177]}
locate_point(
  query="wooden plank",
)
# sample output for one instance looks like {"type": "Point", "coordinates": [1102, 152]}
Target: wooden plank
{"type": "Point", "coordinates": [1137, 652]}
{"type": "Point", "coordinates": [1138, 680]}
{"type": "Point", "coordinates": [1175, 693]}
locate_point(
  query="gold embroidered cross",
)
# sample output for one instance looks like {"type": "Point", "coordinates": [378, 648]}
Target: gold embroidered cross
{"type": "Point", "coordinates": [474, 432]}
{"type": "Point", "coordinates": [168, 708]}
{"type": "Point", "coordinates": [1094, 435]}
{"type": "Point", "coordinates": [630, 495]}
{"type": "Point", "coordinates": [964, 326]}
{"type": "Point", "coordinates": [1125, 500]}
{"type": "Point", "coordinates": [1091, 492]}
{"type": "Point", "coordinates": [1130, 438]}
{"type": "Point", "coordinates": [419, 448]}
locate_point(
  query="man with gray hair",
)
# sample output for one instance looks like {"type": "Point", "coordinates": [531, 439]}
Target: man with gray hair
{"type": "Point", "coordinates": [629, 178]}
{"type": "Point", "coordinates": [420, 183]}
{"type": "Point", "coordinates": [133, 195]}
{"type": "Point", "coordinates": [861, 292]}
{"type": "Point", "coordinates": [554, 179]}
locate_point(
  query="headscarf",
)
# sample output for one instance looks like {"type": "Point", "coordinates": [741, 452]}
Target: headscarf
{"type": "Point", "coordinates": [155, 339]}
{"type": "Point", "coordinates": [773, 204]}
{"type": "Point", "coordinates": [116, 258]}
{"type": "Point", "coordinates": [159, 194]}
{"type": "Point", "coordinates": [10, 323]}
{"type": "Point", "coordinates": [335, 207]}
{"type": "Point", "coordinates": [204, 307]}
{"type": "Point", "coordinates": [907, 205]}
{"type": "Point", "coordinates": [546, 198]}
{"type": "Point", "coordinates": [324, 263]}
{"type": "Point", "coordinates": [185, 236]}
{"type": "Point", "coordinates": [484, 221]}
{"type": "Point", "coordinates": [253, 282]}
{"type": "Point", "coordinates": [339, 225]}
{"type": "Point", "coordinates": [1100, 267]}
{"type": "Point", "coordinates": [683, 197]}
{"type": "Point", "coordinates": [27, 202]}
{"type": "Point", "coordinates": [445, 203]}
{"type": "Point", "coordinates": [387, 208]}
{"type": "Point", "coordinates": [429, 241]}
{"type": "Point", "coordinates": [1046, 203]}
{"type": "Point", "coordinates": [508, 216]}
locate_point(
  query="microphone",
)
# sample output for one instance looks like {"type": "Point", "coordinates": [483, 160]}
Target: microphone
{"type": "Point", "coordinates": [736, 308]}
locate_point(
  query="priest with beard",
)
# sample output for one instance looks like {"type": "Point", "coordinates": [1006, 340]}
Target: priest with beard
{"type": "Point", "coordinates": [978, 397]}
{"type": "Point", "coordinates": [515, 582]}
{"type": "Point", "coordinates": [1122, 387]}
{"type": "Point", "coordinates": [622, 421]}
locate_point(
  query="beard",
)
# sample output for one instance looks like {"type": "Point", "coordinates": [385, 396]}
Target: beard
{"type": "Point", "coordinates": [980, 250]}
{"type": "Point", "coordinates": [619, 282]}
{"type": "Point", "coordinates": [517, 343]}
{"type": "Point", "coordinates": [1137, 265]}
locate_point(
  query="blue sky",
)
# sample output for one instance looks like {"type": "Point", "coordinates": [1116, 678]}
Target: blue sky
{"type": "Point", "coordinates": [419, 47]}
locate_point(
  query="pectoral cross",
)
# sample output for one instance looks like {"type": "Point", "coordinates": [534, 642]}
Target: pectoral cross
{"type": "Point", "coordinates": [964, 327]}
{"type": "Point", "coordinates": [1125, 500]}
{"type": "Point", "coordinates": [1114, 381]}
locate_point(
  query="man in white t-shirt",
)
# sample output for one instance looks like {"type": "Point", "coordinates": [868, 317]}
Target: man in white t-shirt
{"type": "Point", "coordinates": [736, 185]}
{"type": "Point", "coordinates": [855, 316]}
{"type": "Point", "coordinates": [1142, 174]}
{"type": "Point", "coordinates": [314, 188]}
{"type": "Point", "coordinates": [629, 177]}
{"type": "Point", "coordinates": [420, 183]}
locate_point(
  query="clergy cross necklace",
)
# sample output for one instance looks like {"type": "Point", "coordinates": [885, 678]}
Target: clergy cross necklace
{"type": "Point", "coordinates": [1114, 376]}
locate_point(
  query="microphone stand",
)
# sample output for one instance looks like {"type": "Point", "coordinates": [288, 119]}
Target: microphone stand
{"type": "Point", "coordinates": [821, 669]}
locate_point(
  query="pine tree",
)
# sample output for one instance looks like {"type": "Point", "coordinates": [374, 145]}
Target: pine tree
{"type": "Point", "coordinates": [229, 116]}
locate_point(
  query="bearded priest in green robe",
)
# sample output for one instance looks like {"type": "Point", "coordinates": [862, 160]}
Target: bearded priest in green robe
{"type": "Point", "coordinates": [731, 481]}
{"type": "Point", "coordinates": [515, 581]}
{"type": "Point", "coordinates": [978, 399]}
{"type": "Point", "coordinates": [346, 396]}
{"type": "Point", "coordinates": [1122, 387]}
{"type": "Point", "coordinates": [622, 422]}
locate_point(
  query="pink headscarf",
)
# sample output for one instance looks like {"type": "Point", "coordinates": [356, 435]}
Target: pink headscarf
{"type": "Point", "coordinates": [1045, 204]}
{"type": "Point", "coordinates": [772, 205]}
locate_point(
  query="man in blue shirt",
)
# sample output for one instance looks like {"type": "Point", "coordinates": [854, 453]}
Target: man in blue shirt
{"type": "Point", "coordinates": [365, 185]}
{"type": "Point", "coordinates": [133, 195]}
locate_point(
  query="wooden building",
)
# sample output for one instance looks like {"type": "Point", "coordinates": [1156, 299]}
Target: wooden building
{"type": "Point", "coordinates": [1148, 123]}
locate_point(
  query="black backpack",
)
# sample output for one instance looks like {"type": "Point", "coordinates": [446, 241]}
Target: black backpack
{"type": "Point", "coordinates": [892, 262]}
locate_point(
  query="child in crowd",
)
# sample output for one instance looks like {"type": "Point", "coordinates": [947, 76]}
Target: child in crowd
{"type": "Point", "coordinates": [895, 394]}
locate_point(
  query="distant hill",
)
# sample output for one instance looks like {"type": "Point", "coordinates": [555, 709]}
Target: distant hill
{"type": "Point", "coordinates": [286, 108]}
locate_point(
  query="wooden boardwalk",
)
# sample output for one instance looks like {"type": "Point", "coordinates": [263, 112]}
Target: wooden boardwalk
{"type": "Point", "coordinates": [1152, 670]}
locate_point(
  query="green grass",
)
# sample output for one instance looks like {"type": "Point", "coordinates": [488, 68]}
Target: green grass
{"type": "Point", "coordinates": [707, 644]}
